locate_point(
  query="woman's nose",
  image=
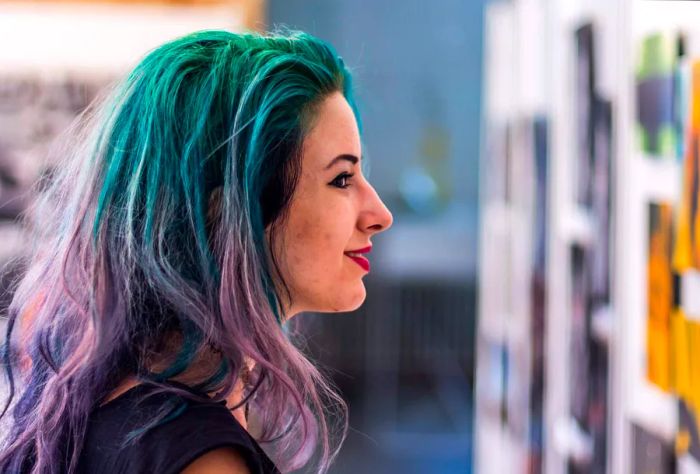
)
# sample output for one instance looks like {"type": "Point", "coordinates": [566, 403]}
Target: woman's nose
{"type": "Point", "coordinates": [376, 216]}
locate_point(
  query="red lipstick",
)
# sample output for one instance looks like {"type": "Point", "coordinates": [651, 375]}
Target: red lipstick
{"type": "Point", "coordinates": [359, 259]}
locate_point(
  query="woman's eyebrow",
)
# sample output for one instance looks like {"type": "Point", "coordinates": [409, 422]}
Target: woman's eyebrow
{"type": "Point", "coordinates": [351, 158]}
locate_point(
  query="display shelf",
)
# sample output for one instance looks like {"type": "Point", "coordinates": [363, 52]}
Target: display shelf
{"type": "Point", "coordinates": [642, 183]}
{"type": "Point", "coordinates": [640, 179]}
{"type": "Point", "coordinates": [514, 98]}
{"type": "Point", "coordinates": [646, 179]}
{"type": "Point", "coordinates": [574, 225]}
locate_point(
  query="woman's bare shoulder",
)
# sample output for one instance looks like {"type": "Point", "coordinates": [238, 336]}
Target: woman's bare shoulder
{"type": "Point", "coordinates": [221, 460]}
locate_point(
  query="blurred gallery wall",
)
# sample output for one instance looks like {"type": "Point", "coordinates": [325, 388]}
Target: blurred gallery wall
{"type": "Point", "coordinates": [589, 323]}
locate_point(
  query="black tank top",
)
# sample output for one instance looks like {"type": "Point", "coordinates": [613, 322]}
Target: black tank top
{"type": "Point", "coordinates": [169, 447]}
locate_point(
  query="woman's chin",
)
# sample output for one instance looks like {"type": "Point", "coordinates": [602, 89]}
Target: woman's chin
{"type": "Point", "coordinates": [356, 301]}
{"type": "Point", "coordinates": [349, 303]}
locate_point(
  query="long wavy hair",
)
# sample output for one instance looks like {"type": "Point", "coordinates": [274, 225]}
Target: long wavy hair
{"type": "Point", "coordinates": [150, 255]}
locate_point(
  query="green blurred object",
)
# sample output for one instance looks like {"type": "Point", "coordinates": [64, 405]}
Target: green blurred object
{"type": "Point", "coordinates": [657, 55]}
{"type": "Point", "coordinates": [426, 187]}
{"type": "Point", "coordinates": [655, 94]}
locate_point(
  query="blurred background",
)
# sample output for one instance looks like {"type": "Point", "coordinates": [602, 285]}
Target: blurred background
{"type": "Point", "coordinates": [534, 307]}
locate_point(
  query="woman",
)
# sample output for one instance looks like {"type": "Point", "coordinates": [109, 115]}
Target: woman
{"type": "Point", "coordinates": [217, 193]}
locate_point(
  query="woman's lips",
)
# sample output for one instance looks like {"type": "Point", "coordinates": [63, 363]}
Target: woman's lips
{"type": "Point", "coordinates": [361, 261]}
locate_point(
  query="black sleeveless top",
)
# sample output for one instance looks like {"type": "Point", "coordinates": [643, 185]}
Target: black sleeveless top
{"type": "Point", "coordinates": [169, 447]}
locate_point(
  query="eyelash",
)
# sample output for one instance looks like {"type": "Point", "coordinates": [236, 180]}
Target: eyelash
{"type": "Point", "coordinates": [341, 176]}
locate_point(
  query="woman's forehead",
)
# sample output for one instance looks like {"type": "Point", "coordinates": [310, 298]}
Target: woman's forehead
{"type": "Point", "coordinates": [335, 131]}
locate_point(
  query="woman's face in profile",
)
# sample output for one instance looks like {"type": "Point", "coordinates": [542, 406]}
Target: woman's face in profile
{"type": "Point", "coordinates": [334, 210]}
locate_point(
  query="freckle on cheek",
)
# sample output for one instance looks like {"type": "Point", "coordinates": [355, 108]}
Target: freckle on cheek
{"type": "Point", "coordinates": [297, 259]}
{"type": "Point", "coordinates": [302, 234]}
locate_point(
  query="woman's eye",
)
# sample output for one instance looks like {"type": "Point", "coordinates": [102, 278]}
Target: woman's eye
{"type": "Point", "coordinates": [341, 180]}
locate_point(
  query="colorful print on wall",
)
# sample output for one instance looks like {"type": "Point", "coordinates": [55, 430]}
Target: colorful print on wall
{"type": "Point", "coordinates": [659, 294]}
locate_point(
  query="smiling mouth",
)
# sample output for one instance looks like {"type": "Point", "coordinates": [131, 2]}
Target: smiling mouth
{"type": "Point", "coordinates": [359, 259]}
